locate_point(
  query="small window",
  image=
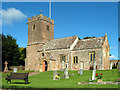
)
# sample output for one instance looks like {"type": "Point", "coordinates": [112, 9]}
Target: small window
{"type": "Point", "coordinates": [33, 27]}
{"type": "Point", "coordinates": [47, 27]}
{"type": "Point", "coordinates": [75, 59]}
{"type": "Point", "coordinates": [62, 58]}
{"type": "Point", "coordinates": [42, 54]}
{"type": "Point", "coordinates": [92, 56]}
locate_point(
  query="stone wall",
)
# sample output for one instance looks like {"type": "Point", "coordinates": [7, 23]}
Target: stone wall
{"type": "Point", "coordinates": [31, 62]}
{"type": "Point", "coordinates": [106, 55]}
{"type": "Point", "coordinates": [35, 58]}
{"type": "Point", "coordinates": [83, 56]}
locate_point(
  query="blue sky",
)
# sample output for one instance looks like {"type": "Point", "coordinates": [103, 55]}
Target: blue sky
{"type": "Point", "coordinates": [79, 18]}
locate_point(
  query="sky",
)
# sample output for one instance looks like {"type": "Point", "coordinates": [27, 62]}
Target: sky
{"type": "Point", "coordinates": [70, 18]}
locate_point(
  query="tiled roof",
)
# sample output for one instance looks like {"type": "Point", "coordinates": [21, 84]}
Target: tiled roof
{"type": "Point", "coordinates": [61, 43]}
{"type": "Point", "coordinates": [89, 43]}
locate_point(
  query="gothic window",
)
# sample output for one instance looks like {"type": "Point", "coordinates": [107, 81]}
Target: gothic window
{"type": "Point", "coordinates": [62, 58]}
{"type": "Point", "coordinates": [33, 27]}
{"type": "Point", "coordinates": [75, 59]}
{"type": "Point", "coordinates": [92, 56]}
{"type": "Point", "coordinates": [47, 27]}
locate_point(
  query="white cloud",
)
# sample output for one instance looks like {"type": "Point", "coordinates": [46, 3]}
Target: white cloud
{"type": "Point", "coordinates": [11, 15]}
{"type": "Point", "coordinates": [112, 57]}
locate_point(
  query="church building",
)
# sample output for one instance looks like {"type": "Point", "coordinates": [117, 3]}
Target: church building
{"type": "Point", "coordinates": [44, 53]}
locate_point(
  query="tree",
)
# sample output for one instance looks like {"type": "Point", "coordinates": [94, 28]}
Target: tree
{"type": "Point", "coordinates": [10, 51]}
{"type": "Point", "coordinates": [22, 56]}
{"type": "Point", "coordinates": [89, 37]}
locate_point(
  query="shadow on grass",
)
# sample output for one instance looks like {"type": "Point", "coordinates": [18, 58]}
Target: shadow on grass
{"type": "Point", "coordinates": [20, 83]}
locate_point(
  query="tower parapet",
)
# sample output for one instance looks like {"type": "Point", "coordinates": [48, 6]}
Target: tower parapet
{"type": "Point", "coordinates": [40, 17]}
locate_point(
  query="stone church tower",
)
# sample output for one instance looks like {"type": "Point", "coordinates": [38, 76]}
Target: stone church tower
{"type": "Point", "coordinates": [40, 30]}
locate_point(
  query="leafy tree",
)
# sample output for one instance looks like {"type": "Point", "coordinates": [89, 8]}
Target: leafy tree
{"type": "Point", "coordinates": [23, 56]}
{"type": "Point", "coordinates": [89, 37]}
{"type": "Point", "coordinates": [10, 51]}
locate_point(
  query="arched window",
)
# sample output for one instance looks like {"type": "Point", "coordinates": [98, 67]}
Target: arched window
{"type": "Point", "coordinates": [92, 56]}
{"type": "Point", "coordinates": [75, 59]}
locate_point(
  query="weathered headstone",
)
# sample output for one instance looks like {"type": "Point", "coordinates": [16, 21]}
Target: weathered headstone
{"type": "Point", "coordinates": [20, 67]}
{"type": "Point", "coordinates": [66, 76]}
{"type": "Point", "coordinates": [110, 65]}
{"type": "Point", "coordinates": [81, 71]}
{"type": "Point", "coordinates": [54, 74]}
{"type": "Point", "coordinates": [94, 72]}
{"type": "Point", "coordinates": [62, 65]}
{"type": "Point", "coordinates": [15, 70]}
{"type": "Point", "coordinates": [6, 68]}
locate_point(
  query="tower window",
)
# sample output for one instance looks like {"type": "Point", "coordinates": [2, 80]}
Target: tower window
{"type": "Point", "coordinates": [47, 27]}
{"type": "Point", "coordinates": [33, 28]}
{"type": "Point", "coordinates": [75, 59]}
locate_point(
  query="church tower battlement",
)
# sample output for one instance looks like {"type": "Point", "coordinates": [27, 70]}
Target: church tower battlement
{"type": "Point", "coordinates": [40, 29]}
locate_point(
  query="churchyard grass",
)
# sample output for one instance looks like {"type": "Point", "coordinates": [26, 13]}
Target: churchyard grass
{"type": "Point", "coordinates": [45, 80]}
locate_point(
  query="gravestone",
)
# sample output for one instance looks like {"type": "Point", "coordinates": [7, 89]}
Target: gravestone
{"type": "Point", "coordinates": [20, 67]}
{"type": "Point", "coordinates": [54, 74]}
{"type": "Point", "coordinates": [80, 71]}
{"type": "Point", "coordinates": [62, 65]}
{"type": "Point", "coordinates": [110, 65]}
{"type": "Point", "coordinates": [94, 71]}
{"type": "Point", "coordinates": [6, 68]}
{"type": "Point", "coordinates": [66, 76]}
{"type": "Point", "coordinates": [15, 70]}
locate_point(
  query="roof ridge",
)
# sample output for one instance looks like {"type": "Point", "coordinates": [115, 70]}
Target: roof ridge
{"type": "Point", "coordinates": [62, 38]}
{"type": "Point", "coordinates": [92, 38]}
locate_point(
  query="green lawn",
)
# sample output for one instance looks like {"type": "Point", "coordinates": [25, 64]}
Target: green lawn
{"type": "Point", "coordinates": [45, 80]}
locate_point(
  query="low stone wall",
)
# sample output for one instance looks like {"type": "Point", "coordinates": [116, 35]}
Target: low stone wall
{"type": "Point", "coordinates": [18, 67]}
{"type": "Point", "coordinates": [98, 82]}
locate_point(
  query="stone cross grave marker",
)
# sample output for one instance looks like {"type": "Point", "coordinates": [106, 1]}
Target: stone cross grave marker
{"type": "Point", "coordinates": [94, 71]}
{"type": "Point", "coordinates": [54, 74]}
{"type": "Point", "coordinates": [15, 70]}
{"type": "Point", "coordinates": [6, 68]}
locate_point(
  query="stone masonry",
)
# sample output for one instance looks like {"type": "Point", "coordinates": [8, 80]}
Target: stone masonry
{"type": "Point", "coordinates": [44, 53]}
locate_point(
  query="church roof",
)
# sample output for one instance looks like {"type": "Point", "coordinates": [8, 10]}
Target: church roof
{"type": "Point", "coordinates": [64, 43]}
{"type": "Point", "coordinates": [90, 43]}
{"type": "Point", "coordinates": [61, 43]}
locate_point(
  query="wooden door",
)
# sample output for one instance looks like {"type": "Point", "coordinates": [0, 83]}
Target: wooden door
{"type": "Point", "coordinates": [43, 66]}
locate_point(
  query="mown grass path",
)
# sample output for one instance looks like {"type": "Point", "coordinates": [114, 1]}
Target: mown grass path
{"type": "Point", "coordinates": [45, 80]}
